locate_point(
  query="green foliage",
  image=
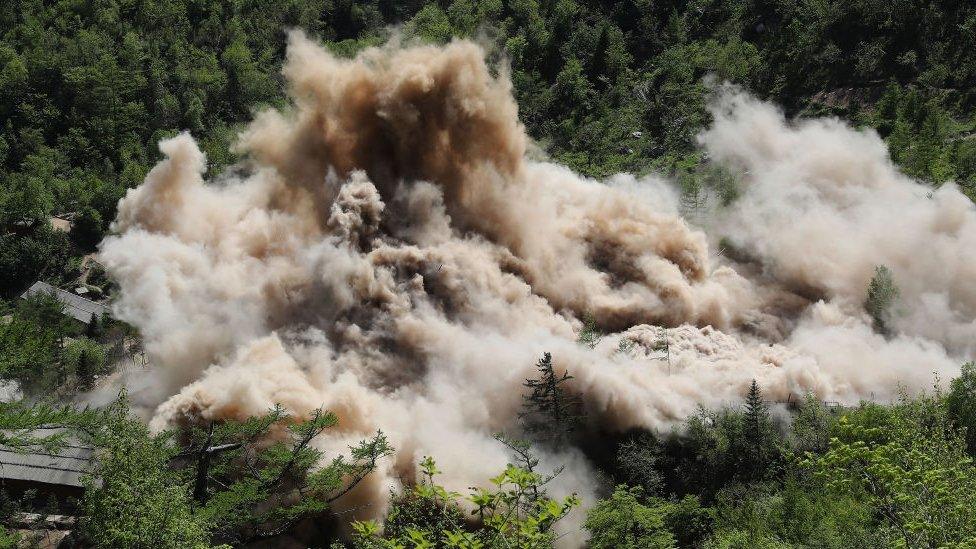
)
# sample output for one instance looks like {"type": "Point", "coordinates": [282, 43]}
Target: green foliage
{"type": "Point", "coordinates": [88, 88]}
{"type": "Point", "coordinates": [638, 461]}
{"type": "Point", "coordinates": [589, 334]}
{"type": "Point", "coordinates": [925, 137]}
{"type": "Point", "coordinates": [717, 448]}
{"type": "Point", "coordinates": [88, 228]}
{"type": "Point", "coordinates": [508, 515]}
{"type": "Point", "coordinates": [882, 294]}
{"type": "Point", "coordinates": [36, 352]}
{"type": "Point", "coordinates": [95, 328]}
{"type": "Point", "coordinates": [879, 477]}
{"type": "Point", "coordinates": [623, 521]}
{"type": "Point", "coordinates": [30, 354]}
{"type": "Point", "coordinates": [432, 24]}
{"type": "Point", "coordinates": [18, 420]}
{"type": "Point", "coordinates": [910, 466]}
{"type": "Point", "coordinates": [31, 344]}
{"type": "Point", "coordinates": [526, 459]}
{"type": "Point", "coordinates": [248, 489]}
{"type": "Point", "coordinates": [134, 500]}
{"type": "Point", "coordinates": [85, 359]}
{"type": "Point", "coordinates": [794, 514]}
{"type": "Point", "coordinates": [810, 430]}
{"type": "Point", "coordinates": [757, 431]}
{"type": "Point", "coordinates": [42, 253]}
{"type": "Point", "coordinates": [427, 516]}
{"type": "Point", "coordinates": [235, 482]}
{"type": "Point", "coordinates": [9, 539]}
{"type": "Point", "coordinates": [690, 523]}
{"type": "Point", "coordinates": [961, 405]}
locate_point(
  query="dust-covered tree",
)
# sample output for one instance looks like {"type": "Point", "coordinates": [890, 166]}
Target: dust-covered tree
{"type": "Point", "coordinates": [810, 428]}
{"type": "Point", "coordinates": [550, 411]}
{"type": "Point", "coordinates": [882, 294]}
{"type": "Point", "coordinates": [589, 334]}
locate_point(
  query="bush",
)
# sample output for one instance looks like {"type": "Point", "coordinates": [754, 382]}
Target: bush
{"type": "Point", "coordinates": [512, 514]}
{"type": "Point", "coordinates": [624, 522]}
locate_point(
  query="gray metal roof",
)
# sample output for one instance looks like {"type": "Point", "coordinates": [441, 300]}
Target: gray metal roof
{"type": "Point", "coordinates": [74, 306]}
{"type": "Point", "coordinates": [66, 467]}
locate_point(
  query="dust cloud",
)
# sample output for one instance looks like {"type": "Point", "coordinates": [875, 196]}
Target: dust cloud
{"type": "Point", "coordinates": [387, 251]}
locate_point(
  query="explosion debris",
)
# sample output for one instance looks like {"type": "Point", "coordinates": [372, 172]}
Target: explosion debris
{"type": "Point", "coordinates": [395, 258]}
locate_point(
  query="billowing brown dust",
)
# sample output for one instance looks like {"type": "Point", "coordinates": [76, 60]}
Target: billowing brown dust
{"type": "Point", "coordinates": [394, 257]}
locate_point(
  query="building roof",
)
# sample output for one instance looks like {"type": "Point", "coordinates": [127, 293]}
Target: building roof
{"type": "Point", "coordinates": [74, 306]}
{"type": "Point", "coordinates": [65, 467]}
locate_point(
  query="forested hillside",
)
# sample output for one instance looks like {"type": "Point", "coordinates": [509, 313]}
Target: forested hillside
{"type": "Point", "coordinates": [89, 89]}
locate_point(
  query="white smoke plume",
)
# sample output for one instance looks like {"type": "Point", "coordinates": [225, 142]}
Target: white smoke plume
{"type": "Point", "coordinates": [392, 255]}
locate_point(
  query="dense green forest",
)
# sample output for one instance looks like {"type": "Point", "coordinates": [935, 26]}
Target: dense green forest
{"type": "Point", "coordinates": [88, 88]}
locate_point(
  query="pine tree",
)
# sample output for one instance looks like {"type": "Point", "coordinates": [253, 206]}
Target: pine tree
{"type": "Point", "coordinates": [85, 368]}
{"type": "Point", "coordinates": [755, 430]}
{"type": "Point", "coordinates": [94, 329]}
{"type": "Point", "coordinates": [549, 412]}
